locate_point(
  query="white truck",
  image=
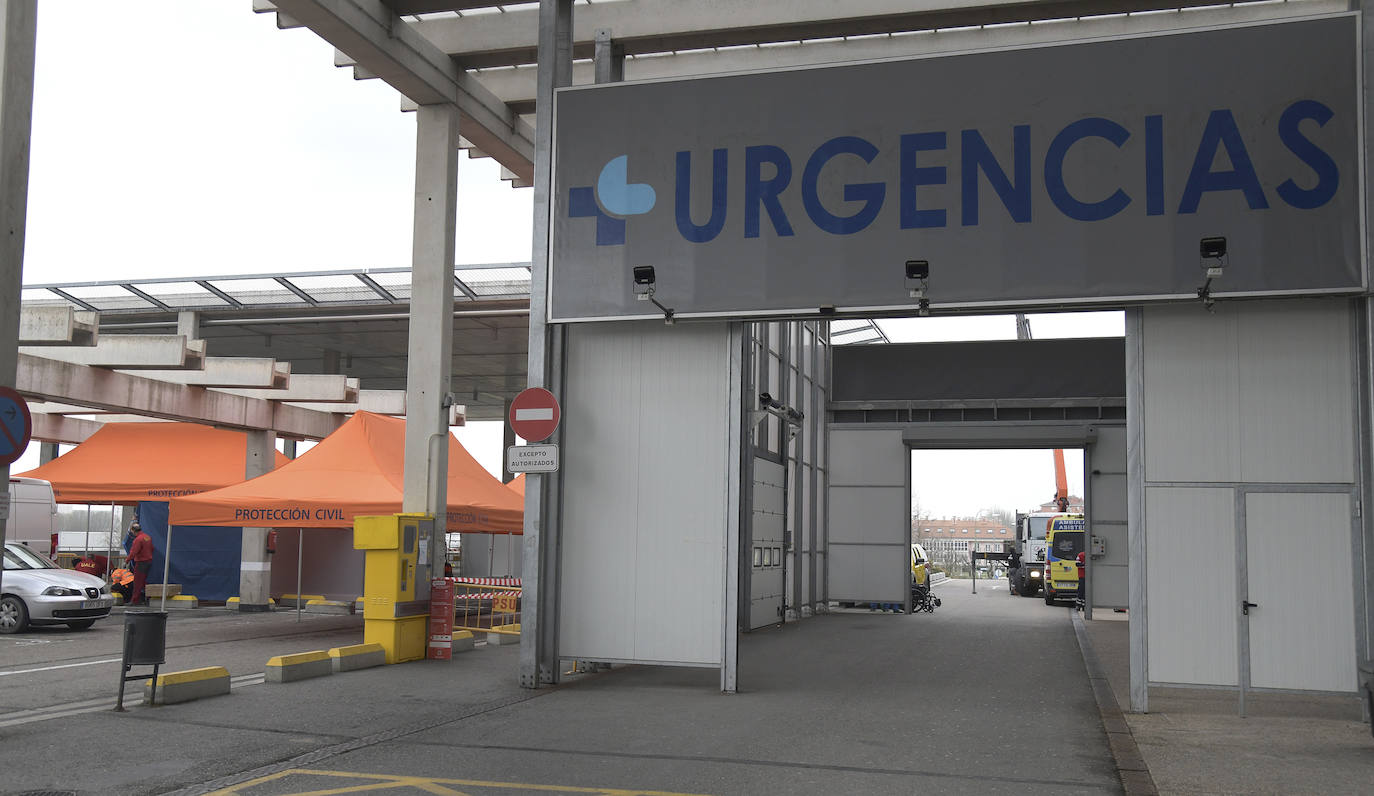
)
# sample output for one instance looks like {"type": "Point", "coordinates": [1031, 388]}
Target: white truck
{"type": "Point", "coordinates": [32, 517]}
{"type": "Point", "coordinates": [1028, 578]}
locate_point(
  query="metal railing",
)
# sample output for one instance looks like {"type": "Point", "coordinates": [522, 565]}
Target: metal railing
{"type": "Point", "coordinates": [487, 605]}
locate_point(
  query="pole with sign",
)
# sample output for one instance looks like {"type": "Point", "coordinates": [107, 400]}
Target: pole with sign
{"type": "Point", "coordinates": [16, 426]}
{"type": "Point", "coordinates": [534, 416]}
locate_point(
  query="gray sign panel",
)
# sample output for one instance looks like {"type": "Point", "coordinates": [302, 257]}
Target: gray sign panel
{"type": "Point", "coordinates": [1082, 173]}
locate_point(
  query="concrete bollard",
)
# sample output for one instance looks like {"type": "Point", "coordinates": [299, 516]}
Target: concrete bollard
{"type": "Point", "coordinates": [173, 687]}
{"type": "Point", "coordinates": [498, 639]}
{"type": "Point", "coordinates": [357, 656]}
{"type": "Point", "coordinates": [299, 666]}
{"type": "Point", "coordinates": [328, 607]}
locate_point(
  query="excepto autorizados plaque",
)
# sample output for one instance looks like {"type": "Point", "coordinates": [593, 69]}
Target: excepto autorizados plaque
{"type": "Point", "coordinates": [532, 459]}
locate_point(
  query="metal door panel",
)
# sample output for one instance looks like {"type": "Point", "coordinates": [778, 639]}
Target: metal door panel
{"type": "Point", "coordinates": [1297, 557]}
{"type": "Point", "coordinates": [765, 549]}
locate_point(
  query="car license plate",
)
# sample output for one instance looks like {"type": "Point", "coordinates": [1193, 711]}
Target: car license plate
{"type": "Point", "coordinates": [104, 602]}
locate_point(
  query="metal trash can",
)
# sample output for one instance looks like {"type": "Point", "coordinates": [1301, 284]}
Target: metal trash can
{"type": "Point", "coordinates": [145, 637]}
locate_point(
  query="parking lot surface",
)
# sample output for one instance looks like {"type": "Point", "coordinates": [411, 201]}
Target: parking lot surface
{"type": "Point", "coordinates": [990, 694]}
{"type": "Point", "coordinates": [986, 695]}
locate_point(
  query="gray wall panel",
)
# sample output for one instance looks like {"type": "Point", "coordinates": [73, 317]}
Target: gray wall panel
{"type": "Point", "coordinates": [1191, 394]}
{"type": "Point", "coordinates": [1192, 588]}
{"type": "Point", "coordinates": [1106, 463]}
{"type": "Point", "coordinates": [1297, 403]}
{"type": "Point", "coordinates": [869, 515]}
{"type": "Point", "coordinates": [867, 457]}
{"type": "Point", "coordinates": [866, 514]}
{"type": "Point", "coordinates": [645, 421]}
{"type": "Point", "coordinates": [865, 573]}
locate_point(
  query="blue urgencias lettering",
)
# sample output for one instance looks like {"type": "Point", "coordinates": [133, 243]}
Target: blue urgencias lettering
{"type": "Point", "coordinates": [1221, 164]}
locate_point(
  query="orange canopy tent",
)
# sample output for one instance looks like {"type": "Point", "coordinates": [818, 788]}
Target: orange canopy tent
{"type": "Point", "coordinates": [357, 470]}
{"type": "Point", "coordinates": [517, 484]}
{"type": "Point", "coordinates": [132, 462]}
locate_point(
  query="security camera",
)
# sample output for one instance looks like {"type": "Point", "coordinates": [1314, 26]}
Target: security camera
{"type": "Point", "coordinates": [917, 274]}
{"type": "Point", "coordinates": [1213, 254]}
{"type": "Point", "coordinates": [643, 281]}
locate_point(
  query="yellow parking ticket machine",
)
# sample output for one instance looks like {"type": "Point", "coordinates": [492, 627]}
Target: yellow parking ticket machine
{"type": "Point", "coordinates": [395, 589]}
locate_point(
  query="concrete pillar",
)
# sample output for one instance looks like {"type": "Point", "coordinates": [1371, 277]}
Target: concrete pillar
{"type": "Point", "coordinates": [255, 570]}
{"type": "Point", "coordinates": [188, 324]}
{"type": "Point", "coordinates": [538, 642]}
{"type": "Point", "coordinates": [48, 452]}
{"type": "Point", "coordinates": [18, 19]}
{"type": "Point", "coordinates": [608, 58]}
{"type": "Point", "coordinates": [428, 381]}
{"type": "Point", "coordinates": [289, 448]}
{"type": "Point", "coordinates": [332, 363]}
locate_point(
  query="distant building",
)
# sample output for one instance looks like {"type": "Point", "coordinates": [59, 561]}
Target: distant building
{"type": "Point", "coordinates": [1075, 505]}
{"type": "Point", "coordinates": [944, 537]}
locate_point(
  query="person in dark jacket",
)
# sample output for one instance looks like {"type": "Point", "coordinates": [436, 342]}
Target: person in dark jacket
{"type": "Point", "coordinates": [140, 562]}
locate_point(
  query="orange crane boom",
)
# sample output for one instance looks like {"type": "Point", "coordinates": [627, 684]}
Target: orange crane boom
{"type": "Point", "coordinates": [1061, 481]}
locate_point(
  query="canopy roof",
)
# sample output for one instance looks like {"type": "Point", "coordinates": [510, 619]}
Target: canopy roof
{"type": "Point", "coordinates": [517, 484]}
{"type": "Point", "coordinates": [129, 462]}
{"type": "Point", "coordinates": [356, 471]}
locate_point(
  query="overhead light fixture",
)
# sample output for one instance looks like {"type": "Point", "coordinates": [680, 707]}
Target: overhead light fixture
{"type": "Point", "coordinates": [1212, 253]}
{"type": "Point", "coordinates": [917, 277]}
{"type": "Point", "coordinates": [644, 282]}
{"type": "Point", "coordinates": [917, 282]}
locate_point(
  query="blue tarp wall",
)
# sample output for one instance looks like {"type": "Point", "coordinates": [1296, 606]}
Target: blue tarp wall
{"type": "Point", "coordinates": [205, 560]}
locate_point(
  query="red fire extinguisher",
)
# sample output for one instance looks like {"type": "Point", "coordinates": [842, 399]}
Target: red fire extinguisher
{"type": "Point", "coordinates": [271, 542]}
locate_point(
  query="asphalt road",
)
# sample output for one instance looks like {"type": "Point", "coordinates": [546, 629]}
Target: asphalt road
{"type": "Point", "coordinates": [986, 695]}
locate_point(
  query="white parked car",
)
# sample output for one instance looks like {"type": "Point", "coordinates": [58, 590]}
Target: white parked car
{"type": "Point", "coordinates": [36, 591]}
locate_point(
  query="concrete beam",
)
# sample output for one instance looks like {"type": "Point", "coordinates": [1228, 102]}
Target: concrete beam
{"type": "Point", "coordinates": [666, 26]}
{"type": "Point", "coordinates": [101, 389]}
{"type": "Point", "coordinates": [56, 428]}
{"type": "Point", "coordinates": [317, 388]}
{"type": "Point", "coordinates": [129, 352]}
{"type": "Point", "coordinates": [43, 326]}
{"type": "Point", "coordinates": [232, 373]}
{"type": "Point", "coordinates": [381, 402]}
{"type": "Point", "coordinates": [516, 87]}
{"type": "Point", "coordinates": [241, 372]}
{"type": "Point", "coordinates": [52, 408]}
{"type": "Point", "coordinates": [104, 418]}
{"type": "Point", "coordinates": [381, 44]}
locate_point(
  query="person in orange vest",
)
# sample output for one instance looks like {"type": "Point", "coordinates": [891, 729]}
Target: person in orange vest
{"type": "Point", "coordinates": [141, 562]}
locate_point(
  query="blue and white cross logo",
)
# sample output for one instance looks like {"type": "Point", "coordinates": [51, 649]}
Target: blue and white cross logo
{"type": "Point", "coordinates": [611, 201]}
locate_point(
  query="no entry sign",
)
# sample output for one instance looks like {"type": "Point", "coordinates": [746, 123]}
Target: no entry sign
{"type": "Point", "coordinates": [16, 426]}
{"type": "Point", "coordinates": [534, 414]}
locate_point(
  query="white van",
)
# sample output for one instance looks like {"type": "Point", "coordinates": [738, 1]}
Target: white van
{"type": "Point", "coordinates": [33, 514]}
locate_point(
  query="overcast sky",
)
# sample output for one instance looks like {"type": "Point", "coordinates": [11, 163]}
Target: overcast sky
{"type": "Point", "coordinates": [175, 138]}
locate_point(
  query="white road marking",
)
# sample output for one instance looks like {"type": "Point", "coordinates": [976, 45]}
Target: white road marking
{"type": "Point", "coordinates": [132, 696]}
{"type": "Point", "coordinates": [62, 666]}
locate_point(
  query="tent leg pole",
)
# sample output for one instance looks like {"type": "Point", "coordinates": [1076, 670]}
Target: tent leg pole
{"type": "Point", "coordinates": [109, 544]}
{"type": "Point", "coordinates": [166, 565]}
{"type": "Point", "coordinates": [300, 547]}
